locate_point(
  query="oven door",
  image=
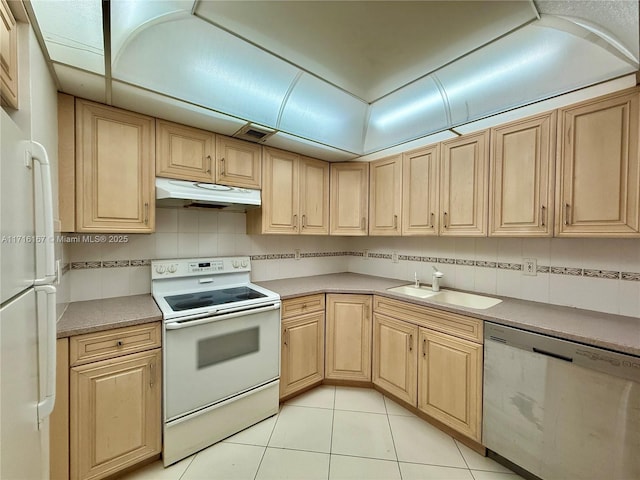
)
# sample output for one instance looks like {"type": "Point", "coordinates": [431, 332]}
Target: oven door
{"type": "Point", "coordinates": [211, 359]}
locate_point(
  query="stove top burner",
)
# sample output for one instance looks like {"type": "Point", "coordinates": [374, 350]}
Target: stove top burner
{"type": "Point", "coordinates": [189, 301]}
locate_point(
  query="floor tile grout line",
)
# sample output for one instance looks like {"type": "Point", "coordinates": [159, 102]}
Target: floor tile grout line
{"type": "Point", "coordinates": [267, 445]}
{"type": "Point", "coordinates": [190, 463]}
{"type": "Point", "coordinates": [393, 441]}
{"type": "Point", "coordinates": [464, 459]}
{"type": "Point", "coordinates": [333, 422]}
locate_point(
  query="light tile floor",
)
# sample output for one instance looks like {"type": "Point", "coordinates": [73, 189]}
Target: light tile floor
{"type": "Point", "coordinates": [333, 433]}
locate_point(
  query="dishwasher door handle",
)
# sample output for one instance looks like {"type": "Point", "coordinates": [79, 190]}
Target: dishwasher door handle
{"type": "Point", "coordinates": [554, 355]}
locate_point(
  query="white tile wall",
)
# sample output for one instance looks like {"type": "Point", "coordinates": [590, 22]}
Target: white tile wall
{"type": "Point", "coordinates": [185, 233]}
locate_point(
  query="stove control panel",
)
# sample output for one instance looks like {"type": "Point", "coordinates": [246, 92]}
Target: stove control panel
{"type": "Point", "coordinates": [190, 267]}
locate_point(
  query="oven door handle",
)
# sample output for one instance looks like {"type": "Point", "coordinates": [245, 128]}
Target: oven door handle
{"type": "Point", "coordinates": [193, 323]}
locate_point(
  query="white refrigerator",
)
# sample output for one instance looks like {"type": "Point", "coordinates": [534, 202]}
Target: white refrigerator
{"type": "Point", "coordinates": [27, 305]}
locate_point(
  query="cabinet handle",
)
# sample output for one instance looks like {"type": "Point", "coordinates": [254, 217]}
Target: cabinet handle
{"type": "Point", "coordinates": [366, 312]}
{"type": "Point", "coordinates": [543, 215]}
{"type": "Point", "coordinates": [146, 213]}
{"type": "Point", "coordinates": [424, 347]}
{"type": "Point", "coordinates": [411, 343]}
{"type": "Point", "coordinates": [304, 221]}
{"type": "Point", "coordinates": [119, 343]}
{"type": "Point", "coordinates": [209, 158]}
{"type": "Point", "coordinates": [432, 216]}
{"type": "Point", "coordinates": [295, 222]}
{"type": "Point", "coordinates": [395, 222]}
{"type": "Point", "coordinates": [444, 220]}
{"type": "Point", "coordinates": [222, 166]}
{"type": "Point", "coordinates": [286, 337]}
{"type": "Point", "coordinates": [567, 208]}
{"type": "Point", "coordinates": [152, 374]}
{"type": "Point", "coordinates": [363, 224]}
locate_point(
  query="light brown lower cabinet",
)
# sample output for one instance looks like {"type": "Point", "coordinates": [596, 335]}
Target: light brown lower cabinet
{"type": "Point", "coordinates": [395, 357]}
{"type": "Point", "coordinates": [450, 381]}
{"type": "Point", "coordinates": [108, 414]}
{"type": "Point", "coordinates": [302, 351]}
{"type": "Point", "coordinates": [348, 337]}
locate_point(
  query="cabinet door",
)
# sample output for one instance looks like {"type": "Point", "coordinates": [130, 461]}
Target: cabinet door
{"type": "Point", "coordinates": [302, 352]}
{"type": "Point", "coordinates": [314, 197]}
{"type": "Point", "coordinates": [385, 196]}
{"type": "Point", "coordinates": [521, 162]}
{"type": "Point", "coordinates": [349, 198]}
{"type": "Point", "coordinates": [115, 414]}
{"type": "Point", "coordinates": [349, 325]}
{"type": "Point", "coordinates": [464, 181]}
{"type": "Point", "coordinates": [184, 152]}
{"type": "Point", "coordinates": [115, 170]}
{"type": "Point", "coordinates": [395, 357]}
{"type": "Point", "coordinates": [238, 163]}
{"type": "Point", "coordinates": [420, 209]}
{"type": "Point", "coordinates": [8, 56]}
{"type": "Point", "coordinates": [450, 381]}
{"type": "Point", "coordinates": [280, 192]}
{"type": "Point", "coordinates": [598, 168]}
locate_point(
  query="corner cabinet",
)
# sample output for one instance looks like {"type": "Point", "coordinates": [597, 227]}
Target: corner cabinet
{"type": "Point", "coordinates": [295, 196]}
{"type": "Point", "coordinates": [348, 337]}
{"type": "Point", "coordinates": [184, 153]}
{"type": "Point", "coordinates": [8, 56]}
{"type": "Point", "coordinates": [349, 198]}
{"type": "Point", "coordinates": [115, 170]}
{"type": "Point", "coordinates": [598, 168]}
{"type": "Point", "coordinates": [302, 353]}
{"type": "Point", "coordinates": [464, 182]}
{"type": "Point", "coordinates": [521, 189]}
{"type": "Point", "coordinates": [115, 400]}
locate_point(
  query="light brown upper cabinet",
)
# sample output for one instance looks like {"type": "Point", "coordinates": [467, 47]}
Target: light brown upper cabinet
{"type": "Point", "coordinates": [238, 163]}
{"type": "Point", "coordinates": [115, 170]}
{"type": "Point", "coordinates": [420, 175]}
{"type": "Point", "coordinates": [521, 189]}
{"type": "Point", "coordinates": [349, 198]}
{"type": "Point", "coordinates": [385, 196]}
{"type": "Point", "coordinates": [598, 168]}
{"type": "Point", "coordinates": [295, 196]}
{"type": "Point", "coordinates": [464, 180]}
{"type": "Point", "coordinates": [8, 56]}
{"type": "Point", "coordinates": [183, 152]}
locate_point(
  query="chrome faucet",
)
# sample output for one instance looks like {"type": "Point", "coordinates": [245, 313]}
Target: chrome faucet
{"type": "Point", "coordinates": [435, 279]}
{"type": "Point", "coordinates": [417, 284]}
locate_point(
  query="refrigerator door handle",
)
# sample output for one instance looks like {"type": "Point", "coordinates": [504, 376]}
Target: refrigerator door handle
{"type": "Point", "coordinates": [47, 398]}
{"type": "Point", "coordinates": [47, 207]}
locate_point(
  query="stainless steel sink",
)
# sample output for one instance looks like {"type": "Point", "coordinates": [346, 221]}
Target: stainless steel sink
{"type": "Point", "coordinates": [450, 297]}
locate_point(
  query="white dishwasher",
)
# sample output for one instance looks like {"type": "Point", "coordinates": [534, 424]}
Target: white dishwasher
{"type": "Point", "coordinates": [561, 410]}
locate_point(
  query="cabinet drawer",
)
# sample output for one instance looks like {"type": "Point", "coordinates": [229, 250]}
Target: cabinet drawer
{"type": "Point", "coordinates": [92, 347]}
{"type": "Point", "coordinates": [300, 305]}
{"type": "Point", "coordinates": [446, 322]}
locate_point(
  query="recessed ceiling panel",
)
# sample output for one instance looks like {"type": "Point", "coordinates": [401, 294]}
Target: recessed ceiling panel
{"type": "Point", "coordinates": [368, 48]}
{"type": "Point", "coordinates": [534, 63]}
{"type": "Point", "coordinates": [72, 31]}
{"type": "Point", "coordinates": [156, 105]}
{"type": "Point", "coordinates": [285, 141]}
{"type": "Point", "coordinates": [194, 61]}
{"type": "Point", "coordinates": [320, 112]}
{"type": "Point", "coordinates": [412, 112]}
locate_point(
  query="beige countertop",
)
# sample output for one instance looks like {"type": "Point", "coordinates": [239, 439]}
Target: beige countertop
{"type": "Point", "coordinates": [614, 332]}
{"type": "Point", "coordinates": [95, 315]}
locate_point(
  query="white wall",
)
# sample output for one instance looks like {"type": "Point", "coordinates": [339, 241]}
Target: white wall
{"type": "Point", "coordinates": [578, 264]}
{"type": "Point", "coordinates": [100, 270]}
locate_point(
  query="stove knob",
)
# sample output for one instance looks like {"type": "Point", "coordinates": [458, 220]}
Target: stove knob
{"type": "Point", "coordinates": [235, 264]}
{"type": "Point", "coordinates": [160, 269]}
{"type": "Point", "coordinates": [244, 264]}
{"type": "Point", "coordinates": [172, 268]}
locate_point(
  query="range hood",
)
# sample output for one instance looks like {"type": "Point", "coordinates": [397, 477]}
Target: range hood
{"type": "Point", "coordinates": [181, 193]}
